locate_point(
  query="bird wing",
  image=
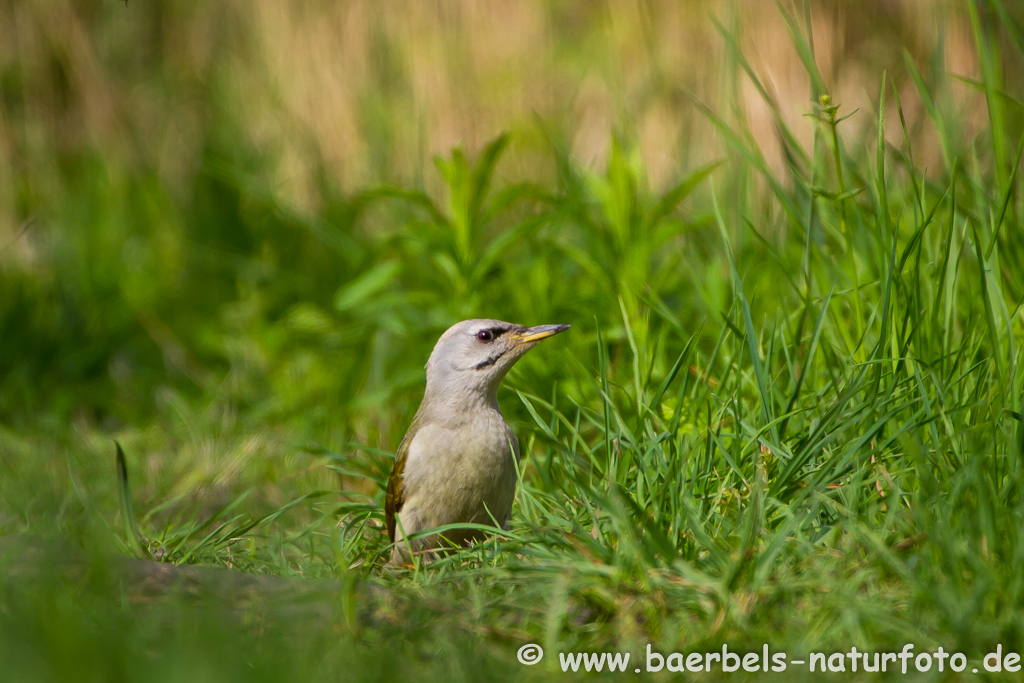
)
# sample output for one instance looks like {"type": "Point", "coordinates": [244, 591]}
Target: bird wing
{"type": "Point", "coordinates": [394, 498]}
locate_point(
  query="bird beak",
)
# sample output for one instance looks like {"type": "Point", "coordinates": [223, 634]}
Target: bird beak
{"type": "Point", "coordinates": [533, 334]}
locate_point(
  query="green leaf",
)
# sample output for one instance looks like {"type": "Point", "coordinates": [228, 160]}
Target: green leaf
{"type": "Point", "coordinates": [366, 285]}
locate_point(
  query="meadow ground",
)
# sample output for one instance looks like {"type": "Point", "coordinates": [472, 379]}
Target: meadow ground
{"type": "Point", "coordinates": [790, 241]}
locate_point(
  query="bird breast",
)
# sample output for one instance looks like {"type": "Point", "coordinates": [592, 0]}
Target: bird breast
{"type": "Point", "coordinates": [463, 473]}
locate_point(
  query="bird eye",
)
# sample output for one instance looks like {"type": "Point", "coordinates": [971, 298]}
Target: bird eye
{"type": "Point", "coordinates": [485, 336]}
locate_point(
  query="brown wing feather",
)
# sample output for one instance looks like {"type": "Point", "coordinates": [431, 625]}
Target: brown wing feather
{"type": "Point", "coordinates": [395, 494]}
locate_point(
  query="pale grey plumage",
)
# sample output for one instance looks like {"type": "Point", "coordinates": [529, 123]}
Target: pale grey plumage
{"type": "Point", "coordinates": [457, 462]}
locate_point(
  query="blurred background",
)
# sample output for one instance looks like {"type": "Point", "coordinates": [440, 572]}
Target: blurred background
{"type": "Point", "coordinates": [228, 220]}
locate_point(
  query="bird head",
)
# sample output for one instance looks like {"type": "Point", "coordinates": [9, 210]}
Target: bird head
{"type": "Point", "coordinates": [473, 356]}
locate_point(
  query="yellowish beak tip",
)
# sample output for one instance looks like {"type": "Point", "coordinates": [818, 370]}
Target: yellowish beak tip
{"type": "Point", "coordinates": [539, 332]}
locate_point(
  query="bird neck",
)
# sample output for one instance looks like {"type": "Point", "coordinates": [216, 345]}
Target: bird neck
{"type": "Point", "coordinates": [457, 402]}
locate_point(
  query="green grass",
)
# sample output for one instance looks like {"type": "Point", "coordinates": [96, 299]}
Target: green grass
{"type": "Point", "coordinates": [788, 411]}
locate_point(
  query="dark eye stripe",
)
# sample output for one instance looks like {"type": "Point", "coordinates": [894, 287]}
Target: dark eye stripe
{"type": "Point", "coordinates": [495, 332]}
